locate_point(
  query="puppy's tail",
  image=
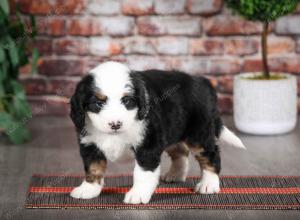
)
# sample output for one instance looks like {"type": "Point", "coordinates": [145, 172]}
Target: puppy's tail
{"type": "Point", "coordinates": [228, 138]}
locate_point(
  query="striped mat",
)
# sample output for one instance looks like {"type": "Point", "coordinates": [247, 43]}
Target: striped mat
{"type": "Point", "coordinates": [237, 192]}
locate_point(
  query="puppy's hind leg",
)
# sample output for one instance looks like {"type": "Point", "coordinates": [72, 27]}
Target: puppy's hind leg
{"type": "Point", "coordinates": [179, 154]}
{"type": "Point", "coordinates": [210, 163]}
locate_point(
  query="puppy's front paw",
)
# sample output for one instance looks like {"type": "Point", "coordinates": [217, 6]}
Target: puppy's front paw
{"type": "Point", "coordinates": [209, 183]}
{"type": "Point", "coordinates": [86, 190]}
{"type": "Point", "coordinates": [136, 196]}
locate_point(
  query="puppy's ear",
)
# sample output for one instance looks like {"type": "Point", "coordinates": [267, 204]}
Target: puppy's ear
{"type": "Point", "coordinates": [141, 95]}
{"type": "Point", "coordinates": [79, 101]}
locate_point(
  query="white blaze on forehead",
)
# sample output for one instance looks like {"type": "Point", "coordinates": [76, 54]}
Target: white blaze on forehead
{"type": "Point", "coordinates": [112, 78]}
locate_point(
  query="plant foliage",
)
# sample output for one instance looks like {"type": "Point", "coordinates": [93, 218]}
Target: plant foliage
{"type": "Point", "coordinates": [15, 52]}
{"type": "Point", "coordinates": [262, 10]}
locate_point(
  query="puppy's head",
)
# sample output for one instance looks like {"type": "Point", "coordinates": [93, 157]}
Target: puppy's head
{"type": "Point", "coordinates": [112, 97]}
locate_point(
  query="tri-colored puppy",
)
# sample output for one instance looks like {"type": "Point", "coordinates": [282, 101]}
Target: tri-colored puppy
{"type": "Point", "coordinates": [121, 114]}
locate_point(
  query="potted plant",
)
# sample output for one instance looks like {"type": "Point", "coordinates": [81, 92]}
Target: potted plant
{"type": "Point", "coordinates": [15, 51]}
{"type": "Point", "coordinates": [265, 103]}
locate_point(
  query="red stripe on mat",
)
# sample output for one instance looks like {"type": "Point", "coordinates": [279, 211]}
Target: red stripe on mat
{"type": "Point", "coordinates": [193, 177]}
{"type": "Point", "coordinates": [181, 190]}
{"type": "Point", "coordinates": [161, 205]}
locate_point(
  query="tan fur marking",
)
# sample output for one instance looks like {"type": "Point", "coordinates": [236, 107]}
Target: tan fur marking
{"type": "Point", "coordinates": [96, 171]}
{"type": "Point", "coordinates": [100, 96]}
{"type": "Point", "coordinates": [203, 161]}
{"type": "Point", "coordinates": [177, 150]}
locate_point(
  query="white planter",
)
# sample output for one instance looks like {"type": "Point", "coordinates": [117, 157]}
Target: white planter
{"type": "Point", "coordinates": [265, 107]}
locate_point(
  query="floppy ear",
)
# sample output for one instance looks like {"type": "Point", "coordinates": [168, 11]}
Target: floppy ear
{"type": "Point", "coordinates": [141, 95]}
{"type": "Point", "coordinates": [78, 101]}
{"type": "Point", "coordinates": [77, 113]}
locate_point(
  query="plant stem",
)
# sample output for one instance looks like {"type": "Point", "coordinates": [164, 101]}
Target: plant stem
{"type": "Point", "coordinates": [264, 44]}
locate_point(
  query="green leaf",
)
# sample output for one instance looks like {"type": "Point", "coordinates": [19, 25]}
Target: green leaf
{"type": "Point", "coordinates": [18, 134]}
{"type": "Point", "coordinates": [15, 131]}
{"type": "Point", "coordinates": [5, 120]}
{"type": "Point", "coordinates": [13, 52]}
{"type": "Point", "coordinates": [21, 109]}
{"type": "Point", "coordinates": [35, 57]}
{"type": "Point", "coordinates": [18, 90]}
{"type": "Point", "coordinates": [2, 54]}
{"type": "Point", "coordinates": [4, 7]}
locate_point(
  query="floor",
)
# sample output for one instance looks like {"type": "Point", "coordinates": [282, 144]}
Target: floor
{"type": "Point", "coordinates": [53, 149]}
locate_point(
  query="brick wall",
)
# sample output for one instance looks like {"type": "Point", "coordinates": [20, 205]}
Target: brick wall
{"type": "Point", "coordinates": [197, 36]}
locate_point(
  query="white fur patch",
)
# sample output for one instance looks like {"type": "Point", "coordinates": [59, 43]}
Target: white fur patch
{"type": "Point", "coordinates": [144, 185]}
{"type": "Point", "coordinates": [227, 137]}
{"type": "Point", "coordinates": [116, 147]}
{"type": "Point", "coordinates": [178, 170]}
{"type": "Point", "coordinates": [209, 183]}
{"type": "Point", "coordinates": [87, 190]}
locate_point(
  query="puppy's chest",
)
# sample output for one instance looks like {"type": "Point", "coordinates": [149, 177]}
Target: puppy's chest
{"type": "Point", "coordinates": [114, 147]}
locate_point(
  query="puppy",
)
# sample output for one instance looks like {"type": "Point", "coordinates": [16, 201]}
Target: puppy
{"type": "Point", "coordinates": [122, 115]}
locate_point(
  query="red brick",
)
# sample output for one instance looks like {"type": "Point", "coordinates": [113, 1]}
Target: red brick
{"type": "Point", "coordinates": [241, 46]}
{"type": "Point", "coordinates": [276, 64]}
{"type": "Point", "coordinates": [105, 46]}
{"type": "Point", "coordinates": [224, 66]}
{"type": "Point", "coordinates": [56, 67]}
{"type": "Point", "coordinates": [188, 26]}
{"type": "Point", "coordinates": [203, 65]}
{"type": "Point", "coordinates": [105, 7]}
{"type": "Point", "coordinates": [34, 85]}
{"type": "Point", "coordinates": [147, 62]}
{"type": "Point", "coordinates": [252, 65]}
{"type": "Point", "coordinates": [70, 6]}
{"type": "Point", "coordinates": [137, 7]}
{"type": "Point", "coordinates": [37, 6]}
{"type": "Point", "coordinates": [117, 26]}
{"type": "Point", "coordinates": [139, 45]}
{"type": "Point", "coordinates": [225, 84]}
{"type": "Point", "coordinates": [288, 25]}
{"type": "Point", "coordinates": [49, 105]}
{"type": "Point", "coordinates": [204, 7]}
{"type": "Point", "coordinates": [44, 46]}
{"type": "Point", "coordinates": [206, 47]}
{"type": "Point", "coordinates": [71, 46]}
{"type": "Point", "coordinates": [229, 25]}
{"type": "Point", "coordinates": [225, 104]}
{"type": "Point", "coordinates": [172, 45]}
{"type": "Point", "coordinates": [56, 26]}
{"type": "Point", "coordinates": [42, 25]}
{"type": "Point", "coordinates": [169, 6]}
{"type": "Point", "coordinates": [298, 46]}
{"type": "Point", "coordinates": [194, 66]}
{"type": "Point", "coordinates": [280, 45]}
{"type": "Point", "coordinates": [62, 86]}
{"type": "Point", "coordinates": [84, 27]}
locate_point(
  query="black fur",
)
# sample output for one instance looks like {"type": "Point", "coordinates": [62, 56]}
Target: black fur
{"type": "Point", "coordinates": [182, 108]}
{"type": "Point", "coordinates": [176, 106]}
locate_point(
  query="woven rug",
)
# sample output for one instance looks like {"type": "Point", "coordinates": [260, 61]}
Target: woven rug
{"type": "Point", "coordinates": [237, 192]}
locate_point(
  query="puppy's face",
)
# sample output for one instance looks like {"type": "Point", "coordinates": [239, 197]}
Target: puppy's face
{"type": "Point", "coordinates": [111, 101]}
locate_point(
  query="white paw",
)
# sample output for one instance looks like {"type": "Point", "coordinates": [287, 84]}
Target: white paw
{"type": "Point", "coordinates": [178, 171]}
{"type": "Point", "coordinates": [87, 190]}
{"type": "Point", "coordinates": [209, 183]}
{"type": "Point", "coordinates": [136, 196]}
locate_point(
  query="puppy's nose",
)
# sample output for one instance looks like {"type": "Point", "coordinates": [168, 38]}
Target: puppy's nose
{"type": "Point", "coordinates": [115, 125]}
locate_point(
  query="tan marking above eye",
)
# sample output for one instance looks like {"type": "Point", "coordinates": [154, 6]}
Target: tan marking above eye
{"type": "Point", "coordinates": [126, 94]}
{"type": "Point", "coordinates": [101, 97]}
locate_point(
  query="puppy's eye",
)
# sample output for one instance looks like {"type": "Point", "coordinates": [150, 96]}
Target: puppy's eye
{"type": "Point", "coordinates": [99, 103]}
{"type": "Point", "coordinates": [129, 102]}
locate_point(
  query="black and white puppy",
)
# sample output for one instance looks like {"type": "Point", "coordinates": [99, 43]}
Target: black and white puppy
{"type": "Point", "coordinates": [124, 115]}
